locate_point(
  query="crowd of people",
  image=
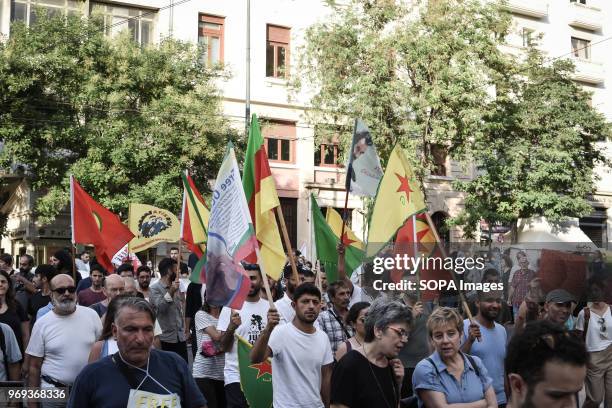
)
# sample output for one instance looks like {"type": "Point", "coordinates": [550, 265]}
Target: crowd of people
{"type": "Point", "coordinates": [124, 337]}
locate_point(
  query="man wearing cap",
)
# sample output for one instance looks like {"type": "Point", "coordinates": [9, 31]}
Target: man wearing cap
{"type": "Point", "coordinates": [558, 306]}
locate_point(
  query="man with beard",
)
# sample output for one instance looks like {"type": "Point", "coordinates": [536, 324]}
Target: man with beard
{"type": "Point", "coordinates": [301, 354]}
{"type": "Point", "coordinates": [331, 321]}
{"type": "Point", "coordinates": [61, 340]}
{"type": "Point", "coordinates": [545, 367]}
{"type": "Point", "coordinates": [143, 274]}
{"type": "Point", "coordinates": [95, 292]}
{"type": "Point", "coordinates": [485, 338]}
{"type": "Point", "coordinates": [248, 323]}
{"type": "Point", "coordinates": [136, 375]}
{"type": "Point", "coordinates": [23, 280]}
{"type": "Point", "coordinates": [284, 304]}
{"type": "Point", "coordinates": [558, 306]}
{"type": "Point", "coordinates": [113, 286]}
{"type": "Point", "coordinates": [165, 297]}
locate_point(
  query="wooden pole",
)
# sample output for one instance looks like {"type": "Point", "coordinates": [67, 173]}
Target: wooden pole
{"type": "Point", "coordinates": [344, 212]}
{"type": "Point", "coordinates": [74, 271]}
{"type": "Point", "coordinates": [279, 212]}
{"type": "Point", "coordinates": [461, 297]}
{"type": "Point", "coordinates": [264, 276]}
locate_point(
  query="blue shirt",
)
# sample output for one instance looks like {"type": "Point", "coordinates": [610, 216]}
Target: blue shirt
{"type": "Point", "coordinates": [471, 388]}
{"type": "Point", "coordinates": [44, 310]}
{"type": "Point", "coordinates": [102, 385]}
{"type": "Point", "coordinates": [492, 351]}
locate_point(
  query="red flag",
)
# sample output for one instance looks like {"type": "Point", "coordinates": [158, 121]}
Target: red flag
{"type": "Point", "coordinates": [95, 225]}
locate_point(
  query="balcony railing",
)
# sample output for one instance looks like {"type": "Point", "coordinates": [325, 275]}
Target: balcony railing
{"type": "Point", "coordinates": [585, 16]}
{"type": "Point", "coordinates": [589, 71]}
{"type": "Point", "coordinates": [531, 8]}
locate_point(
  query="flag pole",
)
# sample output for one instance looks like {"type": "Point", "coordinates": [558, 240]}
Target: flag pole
{"type": "Point", "coordinates": [443, 250]}
{"type": "Point", "coordinates": [279, 213]}
{"type": "Point", "coordinates": [349, 178]}
{"type": "Point", "coordinates": [72, 227]}
{"type": "Point", "coordinates": [264, 277]}
{"type": "Point", "coordinates": [416, 250]}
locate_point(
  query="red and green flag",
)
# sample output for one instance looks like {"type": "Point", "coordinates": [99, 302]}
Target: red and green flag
{"type": "Point", "coordinates": [255, 379]}
{"type": "Point", "coordinates": [194, 225]}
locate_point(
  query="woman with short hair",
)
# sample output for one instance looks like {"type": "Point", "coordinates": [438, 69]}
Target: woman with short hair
{"type": "Point", "coordinates": [448, 376]}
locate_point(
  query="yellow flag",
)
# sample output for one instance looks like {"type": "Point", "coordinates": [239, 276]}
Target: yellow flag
{"type": "Point", "coordinates": [151, 225]}
{"type": "Point", "coordinates": [399, 197]}
{"type": "Point", "coordinates": [335, 222]}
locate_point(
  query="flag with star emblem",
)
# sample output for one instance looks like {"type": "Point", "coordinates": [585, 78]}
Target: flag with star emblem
{"type": "Point", "coordinates": [334, 220]}
{"type": "Point", "coordinates": [255, 379]}
{"type": "Point", "coordinates": [399, 197]}
{"type": "Point", "coordinates": [326, 241]}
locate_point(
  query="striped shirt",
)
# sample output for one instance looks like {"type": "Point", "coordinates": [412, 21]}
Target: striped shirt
{"type": "Point", "coordinates": [206, 367]}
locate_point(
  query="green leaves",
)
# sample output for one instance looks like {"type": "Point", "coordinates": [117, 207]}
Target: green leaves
{"type": "Point", "coordinates": [124, 119]}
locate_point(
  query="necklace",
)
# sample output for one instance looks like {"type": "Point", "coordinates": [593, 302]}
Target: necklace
{"type": "Point", "coordinates": [382, 392]}
{"type": "Point", "coordinates": [358, 342]}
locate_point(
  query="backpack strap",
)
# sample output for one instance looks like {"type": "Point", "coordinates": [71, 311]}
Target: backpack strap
{"type": "Point", "coordinates": [587, 318]}
{"type": "Point", "coordinates": [473, 363]}
{"type": "Point", "coordinates": [434, 365]}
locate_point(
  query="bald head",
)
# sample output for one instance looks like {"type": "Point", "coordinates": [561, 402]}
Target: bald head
{"type": "Point", "coordinates": [113, 286]}
{"type": "Point", "coordinates": [61, 280]}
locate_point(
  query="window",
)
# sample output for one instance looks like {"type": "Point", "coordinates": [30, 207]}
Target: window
{"type": "Point", "coordinates": [139, 22]}
{"type": "Point", "coordinates": [438, 157]}
{"type": "Point", "coordinates": [595, 227]}
{"type": "Point", "coordinates": [210, 38]}
{"type": "Point", "coordinates": [581, 48]}
{"type": "Point", "coordinates": [327, 155]}
{"type": "Point", "coordinates": [527, 35]}
{"type": "Point", "coordinates": [25, 10]}
{"type": "Point", "coordinates": [277, 51]}
{"type": "Point", "coordinates": [279, 140]}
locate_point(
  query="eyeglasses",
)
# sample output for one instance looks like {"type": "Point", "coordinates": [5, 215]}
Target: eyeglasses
{"type": "Point", "coordinates": [61, 291]}
{"type": "Point", "coordinates": [400, 332]}
{"type": "Point", "coordinates": [602, 322]}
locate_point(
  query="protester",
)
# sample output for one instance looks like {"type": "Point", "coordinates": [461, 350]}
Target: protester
{"type": "Point", "coordinates": [301, 354]}
{"type": "Point", "coordinates": [558, 306]}
{"type": "Point", "coordinates": [107, 344]}
{"type": "Point", "coordinates": [486, 339]}
{"type": "Point", "coordinates": [83, 265]}
{"type": "Point", "coordinates": [417, 346]}
{"type": "Point", "coordinates": [209, 359]}
{"type": "Point", "coordinates": [519, 284]}
{"type": "Point", "coordinates": [95, 293]}
{"type": "Point", "coordinates": [61, 340]}
{"type": "Point", "coordinates": [10, 355]}
{"type": "Point", "coordinates": [143, 273]}
{"type": "Point", "coordinates": [545, 367]}
{"type": "Point", "coordinates": [449, 376]}
{"type": "Point", "coordinates": [136, 375]}
{"type": "Point", "coordinates": [532, 307]}
{"type": "Point", "coordinates": [114, 285]}
{"type": "Point", "coordinates": [12, 313]}
{"type": "Point", "coordinates": [247, 323]}
{"type": "Point", "coordinates": [594, 324]}
{"type": "Point", "coordinates": [131, 287]}
{"type": "Point", "coordinates": [63, 263]}
{"type": "Point", "coordinates": [284, 304]}
{"type": "Point", "coordinates": [193, 303]}
{"type": "Point", "coordinates": [356, 320]}
{"type": "Point", "coordinates": [6, 263]}
{"type": "Point", "coordinates": [165, 298]}
{"type": "Point", "coordinates": [126, 270]}
{"type": "Point", "coordinates": [23, 280]}
{"type": "Point", "coordinates": [371, 375]}
{"type": "Point", "coordinates": [174, 254]}
{"type": "Point", "coordinates": [42, 298]}
{"type": "Point", "coordinates": [331, 321]}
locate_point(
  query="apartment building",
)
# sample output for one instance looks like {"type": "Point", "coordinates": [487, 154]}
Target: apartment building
{"type": "Point", "coordinates": [572, 29]}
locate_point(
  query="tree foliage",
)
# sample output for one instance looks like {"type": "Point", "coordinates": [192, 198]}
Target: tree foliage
{"type": "Point", "coordinates": [125, 120]}
{"type": "Point", "coordinates": [433, 74]}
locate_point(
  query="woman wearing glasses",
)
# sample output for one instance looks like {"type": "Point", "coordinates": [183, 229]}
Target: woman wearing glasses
{"type": "Point", "coordinates": [594, 323]}
{"type": "Point", "coordinates": [371, 374]}
{"type": "Point", "coordinates": [448, 376]}
{"type": "Point", "coordinates": [355, 318]}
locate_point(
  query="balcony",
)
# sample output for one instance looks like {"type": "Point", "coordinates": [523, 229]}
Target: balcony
{"type": "Point", "coordinates": [586, 17]}
{"type": "Point", "coordinates": [531, 8]}
{"type": "Point", "coordinates": [588, 71]}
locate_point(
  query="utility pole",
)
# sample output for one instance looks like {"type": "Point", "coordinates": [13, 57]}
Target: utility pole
{"type": "Point", "coordinates": [247, 108]}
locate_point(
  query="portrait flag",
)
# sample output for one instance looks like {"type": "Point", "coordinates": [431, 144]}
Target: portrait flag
{"type": "Point", "coordinates": [363, 169]}
{"type": "Point", "coordinates": [150, 226]}
{"type": "Point", "coordinates": [398, 198]}
{"type": "Point", "coordinates": [92, 224]}
{"type": "Point", "coordinates": [231, 238]}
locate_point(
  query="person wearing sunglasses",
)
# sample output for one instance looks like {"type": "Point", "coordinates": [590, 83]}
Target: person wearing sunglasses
{"type": "Point", "coordinates": [371, 375]}
{"type": "Point", "coordinates": [545, 367]}
{"type": "Point", "coordinates": [594, 325]}
{"type": "Point", "coordinates": [61, 340]}
{"type": "Point", "coordinates": [558, 306]}
{"type": "Point", "coordinates": [450, 376]}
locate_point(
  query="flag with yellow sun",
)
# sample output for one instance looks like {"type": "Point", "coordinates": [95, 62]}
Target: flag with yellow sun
{"type": "Point", "coordinates": [399, 197]}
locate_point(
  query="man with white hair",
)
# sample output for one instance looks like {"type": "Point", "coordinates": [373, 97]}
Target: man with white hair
{"type": "Point", "coordinates": [61, 340]}
{"type": "Point", "coordinates": [113, 285]}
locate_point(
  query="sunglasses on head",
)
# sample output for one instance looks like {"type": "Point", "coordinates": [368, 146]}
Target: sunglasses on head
{"type": "Point", "coordinates": [61, 291]}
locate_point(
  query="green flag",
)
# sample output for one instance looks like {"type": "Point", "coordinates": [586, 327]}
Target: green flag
{"type": "Point", "coordinates": [326, 242]}
{"type": "Point", "coordinates": [255, 379]}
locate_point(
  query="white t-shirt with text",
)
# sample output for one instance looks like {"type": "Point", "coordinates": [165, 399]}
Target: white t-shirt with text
{"type": "Point", "coordinates": [254, 317]}
{"type": "Point", "coordinates": [297, 358]}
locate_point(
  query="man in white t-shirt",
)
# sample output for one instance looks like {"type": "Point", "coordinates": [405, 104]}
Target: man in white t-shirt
{"type": "Point", "coordinates": [248, 323]}
{"type": "Point", "coordinates": [61, 340]}
{"type": "Point", "coordinates": [301, 354]}
{"type": "Point", "coordinates": [597, 333]}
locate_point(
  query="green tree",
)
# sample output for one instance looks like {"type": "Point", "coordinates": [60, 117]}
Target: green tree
{"type": "Point", "coordinates": [434, 75]}
{"type": "Point", "coordinates": [125, 120]}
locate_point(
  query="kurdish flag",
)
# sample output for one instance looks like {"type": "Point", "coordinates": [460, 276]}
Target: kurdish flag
{"type": "Point", "coordinates": [231, 238]}
{"type": "Point", "coordinates": [335, 222]}
{"type": "Point", "coordinates": [260, 192]}
{"type": "Point", "coordinates": [398, 198]}
{"type": "Point", "coordinates": [194, 222]}
{"type": "Point", "coordinates": [255, 379]}
{"type": "Point", "coordinates": [326, 241]}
